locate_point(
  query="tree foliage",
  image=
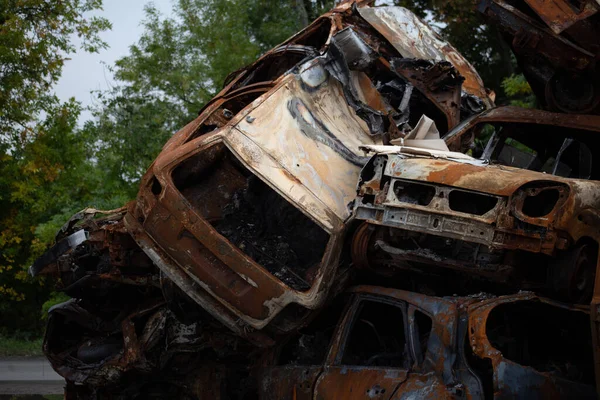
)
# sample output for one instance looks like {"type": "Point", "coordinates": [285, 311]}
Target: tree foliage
{"type": "Point", "coordinates": [518, 91]}
{"type": "Point", "coordinates": [41, 183]}
{"type": "Point", "coordinates": [35, 41]}
{"type": "Point", "coordinates": [44, 168]}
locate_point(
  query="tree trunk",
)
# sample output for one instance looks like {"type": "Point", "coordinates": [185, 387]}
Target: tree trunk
{"type": "Point", "coordinates": [302, 12]}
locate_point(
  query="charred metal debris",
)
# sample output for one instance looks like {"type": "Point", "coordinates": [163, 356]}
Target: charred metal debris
{"type": "Point", "coordinates": [351, 217]}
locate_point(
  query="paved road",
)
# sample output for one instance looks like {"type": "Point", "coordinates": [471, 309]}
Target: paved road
{"type": "Point", "coordinates": [29, 376]}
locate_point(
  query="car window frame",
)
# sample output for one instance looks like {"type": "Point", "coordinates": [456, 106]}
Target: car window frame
{"type": "Point", "coordinates": [341, 337]}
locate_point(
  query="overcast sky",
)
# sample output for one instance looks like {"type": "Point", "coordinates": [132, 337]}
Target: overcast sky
{"type": "Point", "coordinates": [85, 72]}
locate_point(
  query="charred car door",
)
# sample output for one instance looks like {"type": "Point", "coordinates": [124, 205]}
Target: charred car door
{"type": "Point", "coordinates": [369, 357]}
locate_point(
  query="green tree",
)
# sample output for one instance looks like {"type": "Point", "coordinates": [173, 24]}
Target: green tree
{"type": "Point", "coordinates": [35, 41]}
{"type": "Point", "coordinates": [44, 169]}
{"type": "Point", "coordinates": [519, 92]}
{"type": "Point", "coordinates": [42, 182]}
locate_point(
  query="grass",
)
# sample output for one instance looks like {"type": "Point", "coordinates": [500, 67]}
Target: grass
{"type": "Point", "coordinates": [15, 347]}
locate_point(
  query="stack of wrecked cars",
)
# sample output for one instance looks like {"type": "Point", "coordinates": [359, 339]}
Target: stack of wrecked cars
{"type": "Point", "coordinates": [352, 217]}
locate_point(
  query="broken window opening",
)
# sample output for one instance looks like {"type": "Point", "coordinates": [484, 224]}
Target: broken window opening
{"type": "Point", "coordinates": [252, 216]}
{"type": "Point", "coordinates": [523, 332]}
{"type": "Point", "coordinates": [577, 156]}
{"type": "Point", "coordinates": [156, 187]}
{"type": "Point", "coordinates": [237, 103]}
{"type": "Point", "coordinates": [377, 337]}
{"type": "Point", "coordinates": [275, 65]}
{"type": "Point", "coordinates": [516, 154]}
{"type": "Point", "coordinates": [317, 36]}
{"type": "Point", "coordinates": [486, 138]}
{"type": "Point", "coordinates": [203, 130]}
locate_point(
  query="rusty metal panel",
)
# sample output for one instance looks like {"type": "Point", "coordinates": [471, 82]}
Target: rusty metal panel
{"type": "Point", "coordinates": [186, 283]}
{"type": "Point", "coordinates": [288, 185]}
{"type": "Point", "coordinates": [346, 381]}
{"type": "Point", "coordinates": [314, 137]}
{"type": "Point", "coordinates": [416, 200]}
{"type": "Point", "coordinates": [225, 272]}
{"type": "Point", "coordinates": [496, 180]}
{"type": "Point", "coordinates": [343, 382]}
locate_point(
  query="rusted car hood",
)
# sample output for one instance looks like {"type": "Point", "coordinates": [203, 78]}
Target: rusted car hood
{"type": "Point", "coordinates": [493, 179]}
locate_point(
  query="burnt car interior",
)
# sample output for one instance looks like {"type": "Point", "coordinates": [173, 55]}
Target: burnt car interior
{"type": "Point", "coordinates": [524, 331]}
{"type": "Point", "coordinates": [252, 216]}
{"type": "Point", "coordinates": [377, 337]}
{"type": "Point", "coordinates": [542, 148]}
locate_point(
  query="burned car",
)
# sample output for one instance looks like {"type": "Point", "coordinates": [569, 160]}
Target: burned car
{"type": "Point", "coordinates": [556, 45]}
{"type": "Point", "coordinates": [393, 344]}
{"type": "Point", "coordinates": [525, 213]}
{"type": "Point", "coordinates": [239, 229]}
{"type": "Point", "coordinates": [226, 276]}
{"type": "Point", "coordinates": [129, 331]}
{"type": "Point", "coordinates": [245, 208]}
